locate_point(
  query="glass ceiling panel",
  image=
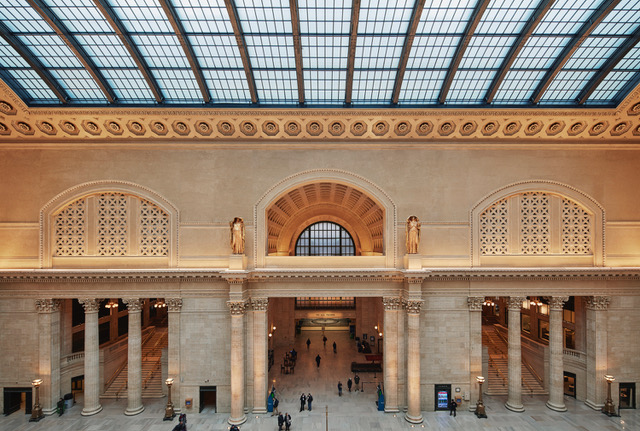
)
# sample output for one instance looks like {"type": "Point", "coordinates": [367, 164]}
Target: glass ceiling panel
{"type": "Point", "coordinates": [421, 86]}
{"type": "Point", "coordinates": [277, 86]}
{"type": "Point", "coordinates": [324, 30]}
{"type": "Point", "coordinates": [621, 75]}
{"type": "Point", "coordinates": [227, 86]}
{"type": "Point", "coordinates": [566, 86]}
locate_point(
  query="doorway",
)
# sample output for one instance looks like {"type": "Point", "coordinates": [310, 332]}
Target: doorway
{"type": "Point", "coordinates": [569, 384]}
{"type": "Point", "coordinates": [442, 397]}
{"type": "Point", "coordinates": [627, 395]}
{"type": "Point", "coordinates": [207, 399]}
{"type": "Point", "coordinates": [16, 399]}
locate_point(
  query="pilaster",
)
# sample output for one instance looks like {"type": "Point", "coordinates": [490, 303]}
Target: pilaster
{"type": "Point", "coordinates": [237, 309]}
{"type": "Point", "coordinates": [413, 307]}
{"type": "Point", "coordinates": [391, 306]}
{"type": "Point", "coordinates": [260, 367]}
{"type": "Point", "coordinates": [514, 402]}
{"type": "Point", "coordinates": [475, 345]}
{"type": "Point", "coordinates": [91, 357]}
{"type": "Point", "coordinates": [556, 355]}
{"type": "Point", "coordinates": [49, 353]}
{"type": "Point", "coordinates": [596, 350]}
{"type": "Point", "coordinates": [134, 375]}
{"type": "Point", "coordinates": [174, 307]}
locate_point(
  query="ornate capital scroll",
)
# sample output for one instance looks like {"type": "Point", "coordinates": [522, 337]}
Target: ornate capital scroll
{"type": "Point", "coordinates": [259, 304]}
{"type": "Point", "coordinates": [515, 302]}
{"type": "Point", "coordinates": [47, 305]}
{"type": "Point", "coordinates": [133, 304]}
{"type": "Point", "coordinates": [174, 304]}
{"type": "Point", "coordinates": [475, 303]}
{"type": "Point", "coordinates": [90, 305]}
{"type": "Point", "coordinates": [556, 302]}
{"type": "Point", "coordinates": [391, 303]}
{"type": "Point", "coordinates": [597, 302]}
{"type": "Point", "coordinates": [413, 306]}
{"type": "Point", "coordinates": [237, 308]}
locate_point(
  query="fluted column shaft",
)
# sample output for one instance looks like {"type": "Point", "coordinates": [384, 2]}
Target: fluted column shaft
{"type": "Point", "coordinates": [260, 339]}
{"type": "Point", "coordinates": [556, 354]}
{"type": "Point", "coordinates": [134, 375]}
{"type": "Point", "coordinates": [514, 401]}
{"type": "Point", "coordinates": [237, 362]}
{"type": "Point", "coordinates": [49, 353]}
{"type": "Point", "coordinates": [390, 357]}
{"type": "Point", "coordinates": [596, 350]}
{"type": "Point", "coordinates": [475, 345]}
{"type": "Point", "coordinates": [91, 357]}
{"type": "Point", "coordinates": [173, 350]}
{"type": "Point", "coordinates": [414, 414]}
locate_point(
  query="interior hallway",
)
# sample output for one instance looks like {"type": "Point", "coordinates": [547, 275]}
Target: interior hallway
{"type": "Point", "coordinates": [352, 411]}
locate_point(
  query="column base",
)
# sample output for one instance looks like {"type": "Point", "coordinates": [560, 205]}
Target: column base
{"type": "Point", "coordinates": [391, 410]}
{"type": "Point", "coordinates": [556, 407]}
{"type": "Point", "coordinates": [48, 412]}
{"type": "Point", "coordinates": [133, 412]}
{"type": "Point", "coordinates": [413, 419]}
{"type": "Point", "coordinates": [237, 421]}
{"type": "Point", "coordinates": [514, 408]}
{"type": "Point", "coordinates": [91, 411]}
{"type": "Point", "coordinates": [260, 411]}
{"type": "Point", "coordinates": [593, 405]}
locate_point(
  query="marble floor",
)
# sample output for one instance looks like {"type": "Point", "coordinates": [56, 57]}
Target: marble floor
{"type": "Point", "coordinates": [353, 411]}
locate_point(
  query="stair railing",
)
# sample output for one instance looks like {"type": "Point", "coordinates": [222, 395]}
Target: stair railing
{"type": "Point", "coordinates": [493, 365]}
{"type": "Point", "coordinates": [155, 368]}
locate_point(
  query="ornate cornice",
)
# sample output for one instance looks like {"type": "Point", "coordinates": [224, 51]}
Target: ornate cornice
{"type": "Point", "coordinates": [514, 303]}
{"type": "Point", "coordinates": [597, 302]}
{"type": "Point", "coordinates": [237, 308]}
{"type": "Point", "coordinates": [90, 305]}
{"type": "Point", "coordinates": [259, 304]}
{"type": "Point", "coordinates": [173, 304]}
{"type": "Point", "coordinates": [475, 303]}
{"type": "Point", "coordinates": [412, 306]}
{"type": "Point", "coordinates": [391, 303]}
{"type": "Point", "coordinates": [133, 304]}
{"type": "Point", "coordinates": [47, 305]}
{"type": "Point", "coordinates": [556, 302]}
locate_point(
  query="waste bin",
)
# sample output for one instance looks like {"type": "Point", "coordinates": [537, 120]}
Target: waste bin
{"type": "Point", "coordinates": [68, 401]}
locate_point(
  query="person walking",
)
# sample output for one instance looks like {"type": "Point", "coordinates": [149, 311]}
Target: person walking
{"type": "Point", "coordinates": [335, 347]}
{"type": "Point", "coordinates": [349, 383]}
{"type": "Point", "coordinates": [324, 340]}
{"type": "Point", "coordinates": [356, 379]}
{"type": "Point", "coordinates": [303, 400]}
{"type": "Point", "coordinates": [275, 406]}
{"type": "Point", "coordinates": [318, 360]}
{"type": "Point", "coordinates": [309, 399]}
{"type": "Point", "coordinates": [452, 407]}
{"type": "Point", "coordinates": [287, 422]}
{"type": "Point", "coordinates": [308, 343]}
{"type": "Point", "coordinates": [339, 388]}
{"type": "Point", "coordinates": [280, 421]}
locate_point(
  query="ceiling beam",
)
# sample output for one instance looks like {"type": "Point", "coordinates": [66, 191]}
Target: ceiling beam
{"type": "Point", "coordinates": [517, 46]}
{"type": "Point", "coordinates": [111, 17]}
{"type": "Point", "coordinates": [297, 47]}
{"type": "Point", "coordinates": [170, 11]}
{"type": "Point", "coordinates": [351, 59]}
{"type": "Point", "coordinates": [608, 66]}
{"type": "Point", "coordinates": [473, 22]}
{"type": "Point", "coordinates": [406, 49]}
{"type": "Point", "coordinates": [576, 41]}
{"type": "Point", "coordinates": [627, 88]}
{"type": "Point", "coordinates": [242, 47]}
{"type": "Point", "coordinates": [35, 64]}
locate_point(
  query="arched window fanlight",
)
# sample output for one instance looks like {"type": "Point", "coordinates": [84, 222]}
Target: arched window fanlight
{"type": "Point", "coordinates": [325, 239]}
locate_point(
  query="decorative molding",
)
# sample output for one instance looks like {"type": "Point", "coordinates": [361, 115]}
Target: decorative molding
{"type": "Point", "coordinates": [259, 304]}
{"type": "Point", "coordinates": [412, 306]}
{"type": "Point", "coordinates": [475, 303]}
{"type": "Point", "coordinates": [134, 305]}
{"type": "Point", "coordinates": [237, 308]}
{"type": "Point", "coordinates": [514, 303]}
{"type": "Point", "coordinates": [556, 302]}
{"type": "Point", "coordinates": [597, 302]}
{"type": "Point", "coordinates": [90, 305]}
{"type": "Point", "coordinates": [391, 303]}
{"type": "Point", "coordinates": [47, 305]}
{"type": "Point", "coordinates": [173, 304]}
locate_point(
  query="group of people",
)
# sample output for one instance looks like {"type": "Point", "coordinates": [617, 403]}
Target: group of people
{"type": "Point", "coordinates": [305, 399]}
{"type": "Point", "coordinates": [182, 423]}
{"type": "Point", "coordinates": [284, 420]}
{"type": "Point", "coordinates": [356, 378]}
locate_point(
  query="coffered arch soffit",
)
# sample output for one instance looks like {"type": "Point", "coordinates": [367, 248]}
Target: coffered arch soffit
{"type": "Point", "coordinates": [591, 207]}
{"type": "Point", "coordinates": [360, 206]}
{"type": "Point", "coordinates": [73, 194]}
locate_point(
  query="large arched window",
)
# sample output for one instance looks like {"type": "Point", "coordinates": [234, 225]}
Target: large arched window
{"type": "Point", "coordinates": [325, 239]}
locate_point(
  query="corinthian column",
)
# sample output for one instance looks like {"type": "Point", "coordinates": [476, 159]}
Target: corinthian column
{"type": "Point", "coordinates": [237, 308]}
{"type": "Point", "coordinates": [173, 350]}
{"type": "Point", "coordinates": [556, 354]}
{"type": "Point", "coordinates": [260, 339]}
{"type": "Point", "coordinates": [134, 375]}
{"type": "Point", "coordinates": [390, 357]}
{"type": "Point", "coordinates": [475, 344]}
{"type": "Point", "coordinates": [596, 350]}
{"type": "Point", "coordinates": [49, 353]}
{"type": "Point", "coordinates": [514, 402]}
{"type": "Point", "coordinates": [414, 414]}
{"type": "Point", "coordinates": [91, 357]}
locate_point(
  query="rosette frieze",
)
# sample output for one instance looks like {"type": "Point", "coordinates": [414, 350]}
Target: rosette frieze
{"type": "Point", "coordinates": [47, 305]}
{"type": "Point", "coordinates": [598, 302]}
{"type": "Point", "coordinates": [475, 303]}
{"type": "Point", "coordinates": [133, 304]}
{"type": "Point", "coordinates": [515, 302]}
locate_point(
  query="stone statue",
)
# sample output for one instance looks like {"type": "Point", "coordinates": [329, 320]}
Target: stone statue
{"type": "Point", "coordinates": [237, 235]}
{"type": "Point", "coordinates": [413, 234]}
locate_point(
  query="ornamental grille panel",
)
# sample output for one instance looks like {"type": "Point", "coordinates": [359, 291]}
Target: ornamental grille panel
{"type": "Point", "coordinates": [122, 225]}
{"type": "Point", "coordinates": [547, 224]}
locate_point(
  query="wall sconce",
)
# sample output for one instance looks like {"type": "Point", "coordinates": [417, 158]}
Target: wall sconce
{"type": "Point", "coordinates": [36, 412]}
{"type": "Point", "coordinates": [480, 411]}
{"type": "Point", "coordinates": [609, 409]}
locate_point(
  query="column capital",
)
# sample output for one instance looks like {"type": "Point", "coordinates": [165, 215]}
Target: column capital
{"type": "Point", "coordinates": [173, 304]}
{"type": "Point", "coordinates": [391, 303]}
{"type": "Point", "coordinates": [133, 304]}
{"type": "Point", "coordinates": [91, 305]}
{"type": "Point", "coordinates": [475, 303]}
{"type": "Point", "coordinates": [259, 304]}
{"type": "Point", "coordinates": [237, 308]}
{"type": "Point", "coordinates": [556, 302]}
{"type": "Point", "coordinates": [47, 305]}
{"type": "Point", "coordinates": [597, 302]}
{"type": "Point", "coordinates": [412, 306]}
{"type": "Point", "coordinates": [515, 302]}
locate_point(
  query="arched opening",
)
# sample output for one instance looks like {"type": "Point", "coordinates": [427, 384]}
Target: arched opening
{"type": "Point", "coordinates": [325, 238]}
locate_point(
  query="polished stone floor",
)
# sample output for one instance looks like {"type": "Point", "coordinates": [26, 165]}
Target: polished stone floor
{"type": "Point", "coordinates": [353, 411]}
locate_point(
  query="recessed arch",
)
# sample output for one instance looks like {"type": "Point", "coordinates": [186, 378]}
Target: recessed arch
{"type": "Point", "coordinates": [564, 193]}
{"type": "Point", "coordinates": [94, 188]}
{"type": "Point", "coordinates": [362, 207]}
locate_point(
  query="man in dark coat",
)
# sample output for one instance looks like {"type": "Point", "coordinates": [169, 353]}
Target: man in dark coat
{"type": "Point", "coordinates": [303, 400]}
{"type": "Point", "coordinates": [452, 407]}
{"type": "Point", "coordinates": [349, 383]}
{"type": "Point", "coordinates": [280, 422]}
{"type": "Point", "coordinates": [318, 360]}
{"type": "Point", "coordinates": [335, 347]}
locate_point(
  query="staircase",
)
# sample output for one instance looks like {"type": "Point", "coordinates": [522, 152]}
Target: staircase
{"type": "Point", "coordinates": [498, 379]}
{"type": "Point", "coordinates": [151, 370]}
